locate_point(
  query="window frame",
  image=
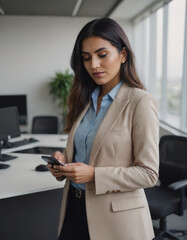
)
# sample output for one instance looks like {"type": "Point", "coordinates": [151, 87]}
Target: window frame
{"type": "Point", "coordinates": [151, 84]}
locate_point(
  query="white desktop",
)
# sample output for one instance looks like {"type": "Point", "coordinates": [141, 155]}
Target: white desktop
{"type": "Point", "coordinates": [30, 200]}
{"type": "Point", "coordinates": [21, 177]}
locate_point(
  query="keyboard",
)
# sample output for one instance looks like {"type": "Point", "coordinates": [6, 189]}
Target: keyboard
{"type": "Point", "coordinates": [20, 143]}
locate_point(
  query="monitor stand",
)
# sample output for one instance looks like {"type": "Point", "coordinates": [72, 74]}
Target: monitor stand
{"type": "Point", "coordinates": [6, 144]}
{"type": "Point", "coordinates": [5, 157]}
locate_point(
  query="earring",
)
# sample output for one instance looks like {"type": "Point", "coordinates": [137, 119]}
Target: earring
{"type": "Point", "coordinates": [123, 60]}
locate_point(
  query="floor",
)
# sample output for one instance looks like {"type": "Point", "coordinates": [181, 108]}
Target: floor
{"type": "Point", "coordinates": [175, 222]}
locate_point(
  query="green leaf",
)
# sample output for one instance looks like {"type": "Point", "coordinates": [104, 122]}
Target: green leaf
{"type": "Point", "coordinates": [60, 87]}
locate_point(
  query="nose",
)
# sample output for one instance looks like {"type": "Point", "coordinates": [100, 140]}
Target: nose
{"type": "Point", "coordinates": [95, 63]}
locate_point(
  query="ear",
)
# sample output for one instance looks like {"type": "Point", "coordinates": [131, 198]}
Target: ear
{"type": "Point", "coordinates": [123, 55]}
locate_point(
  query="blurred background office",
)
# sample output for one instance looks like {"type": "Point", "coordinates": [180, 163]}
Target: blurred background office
{"type": "Point", "coordinates": [36, 41]}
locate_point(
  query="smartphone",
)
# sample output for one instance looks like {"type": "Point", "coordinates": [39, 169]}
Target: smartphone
{"type": "Point", "coordinates": [52, 160]}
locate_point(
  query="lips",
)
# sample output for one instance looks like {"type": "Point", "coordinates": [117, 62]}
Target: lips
{"type": "Point", "coordinates": [98, 74]}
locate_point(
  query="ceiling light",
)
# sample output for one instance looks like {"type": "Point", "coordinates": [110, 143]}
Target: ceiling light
{"type": "Point", "coordinates": [2, 11]}
{"type": "Point", "coordinates": [76, 8]}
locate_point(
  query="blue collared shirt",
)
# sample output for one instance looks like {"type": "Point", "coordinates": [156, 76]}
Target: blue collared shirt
{"type": "Point", "coordinates": [89, 125]}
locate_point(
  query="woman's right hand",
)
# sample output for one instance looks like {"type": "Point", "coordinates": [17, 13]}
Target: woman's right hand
{"type": "Point", "coordinates": [62, 158]}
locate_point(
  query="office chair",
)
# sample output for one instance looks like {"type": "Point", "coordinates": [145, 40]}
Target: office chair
{"type": "Point", "coordinates": [45, 124]}
{"type": "Point", "coordinates": [170, 197]}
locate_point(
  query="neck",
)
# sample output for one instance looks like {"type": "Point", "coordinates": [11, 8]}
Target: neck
{"type": "Point", "coordinates": [105, 89]}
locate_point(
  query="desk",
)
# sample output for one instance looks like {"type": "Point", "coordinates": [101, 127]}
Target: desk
{"type": "Point", "coordinates": [30, 200]}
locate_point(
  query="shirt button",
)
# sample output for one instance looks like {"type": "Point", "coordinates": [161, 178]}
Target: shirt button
{"type": "Point", "coordinates": [101, 110]}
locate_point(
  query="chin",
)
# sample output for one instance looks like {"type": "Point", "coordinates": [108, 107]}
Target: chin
{"type": "Point", "coordinates": [100, 82]}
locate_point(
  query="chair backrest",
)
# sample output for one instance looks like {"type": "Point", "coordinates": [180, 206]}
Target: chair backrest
{"type": "Point", "coordinates": [45, 124]}
{"type": "Point", "coordinates": [173, 159]}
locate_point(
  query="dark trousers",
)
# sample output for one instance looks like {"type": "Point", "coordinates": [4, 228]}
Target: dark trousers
{"type": "Point", "coordinates": [75, 225]}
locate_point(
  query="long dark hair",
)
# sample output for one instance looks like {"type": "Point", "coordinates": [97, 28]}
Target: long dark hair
{"type": "Point", "coordinates": [84, 85]}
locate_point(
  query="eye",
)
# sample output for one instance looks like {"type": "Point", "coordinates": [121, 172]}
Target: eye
{"type": "Point", "coordinates": [85, 58]}
{"type": "Point", "coordinates": [102, 55]}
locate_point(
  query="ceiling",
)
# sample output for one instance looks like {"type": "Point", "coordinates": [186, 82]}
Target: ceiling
{"type": "Point", "coordinates": [125, 9]}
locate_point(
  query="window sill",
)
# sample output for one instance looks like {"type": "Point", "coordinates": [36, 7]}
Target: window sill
{"type": "Point", "coordinates": [167, 129]}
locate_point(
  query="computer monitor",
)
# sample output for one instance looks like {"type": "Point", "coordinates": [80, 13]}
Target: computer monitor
{"type": "Point", "coordinates": [9, 128]}
{"type": "Point", "coordinates": [20, 101]}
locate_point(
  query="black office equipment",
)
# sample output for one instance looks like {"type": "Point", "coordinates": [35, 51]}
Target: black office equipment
{"type": "Point", "coordinates": [19, 101]}
{"type": "Point", "coordinates": [45, 125]}
{"type": "Point", "coordinates": [52, 160]}
{"type": "Point", "coordinates": [4, 166]}
{"type": "Point", "coordinates": [41, 150]}
{"type": "Point", "coordinates": [19, 143]}
{"type": "Point", "coordinates": [170, 197]}
{"type": "Point", "coordinates": [41, 168]}
{"type": "Point", "coordinates": [9, 128]}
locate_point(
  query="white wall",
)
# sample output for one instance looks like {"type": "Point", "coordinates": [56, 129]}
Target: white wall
{"type": "Point", "coordinates": [31, 50]}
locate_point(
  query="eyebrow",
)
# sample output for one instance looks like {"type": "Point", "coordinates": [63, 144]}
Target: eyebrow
{"type": "Point", "coordinates": [98, 50]}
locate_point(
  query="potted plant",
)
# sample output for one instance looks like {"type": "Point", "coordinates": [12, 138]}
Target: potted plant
{"type": "Point", "coordinates": [60, 87]}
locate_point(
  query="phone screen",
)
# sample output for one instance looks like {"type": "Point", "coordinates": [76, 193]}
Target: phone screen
{"type": "Point", "coordinates": [52, 160]}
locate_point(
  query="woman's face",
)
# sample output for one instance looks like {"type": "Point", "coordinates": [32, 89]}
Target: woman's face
{"type": "Point", "coordinates": [102, 60]}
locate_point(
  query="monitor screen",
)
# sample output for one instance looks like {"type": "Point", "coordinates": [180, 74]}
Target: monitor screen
{"type": "Point", "coordinates": [20, 101]}
{"type": "Point", "coordinates": [9, 123]}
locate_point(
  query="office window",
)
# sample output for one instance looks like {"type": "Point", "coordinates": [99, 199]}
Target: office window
{"type": "Point", "coordinates": [137, 46]}
{"type": "Point", "coordinates": [141, 43]}
{"type": "Point", "coordinates": [159, 55]}
{"type": "Point", "coordinates": [163, 62]}
{"type": "Point", "coordinates": [176, 24]}
{"type": "Point", "coordinates": [146, 50]}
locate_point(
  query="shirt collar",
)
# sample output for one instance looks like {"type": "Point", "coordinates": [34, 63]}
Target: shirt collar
{"type": "Point", "coordinates": [111, 95]}
{"type": "Point", "coordinates": [115, 90]}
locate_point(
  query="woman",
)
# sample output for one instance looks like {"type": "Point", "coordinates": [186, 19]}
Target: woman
{"type": "Point", "coordinates": [112, 148]}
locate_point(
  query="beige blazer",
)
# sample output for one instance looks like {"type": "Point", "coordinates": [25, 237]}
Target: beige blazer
{"type": "Point", "coordinates": [125, 157]}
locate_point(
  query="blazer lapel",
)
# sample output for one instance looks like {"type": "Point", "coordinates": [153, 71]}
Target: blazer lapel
{"type": "Point", "coordinates": [118, 105]}
{"type": "Point", "coordinates": [70, 143]}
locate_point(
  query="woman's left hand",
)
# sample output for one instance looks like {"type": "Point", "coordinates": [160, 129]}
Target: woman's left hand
{"type": "Point", "coordinates": [77, 172]}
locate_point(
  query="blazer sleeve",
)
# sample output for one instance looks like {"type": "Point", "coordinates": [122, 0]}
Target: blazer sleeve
{"type": "Point", "coordinates": [145, 139]}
